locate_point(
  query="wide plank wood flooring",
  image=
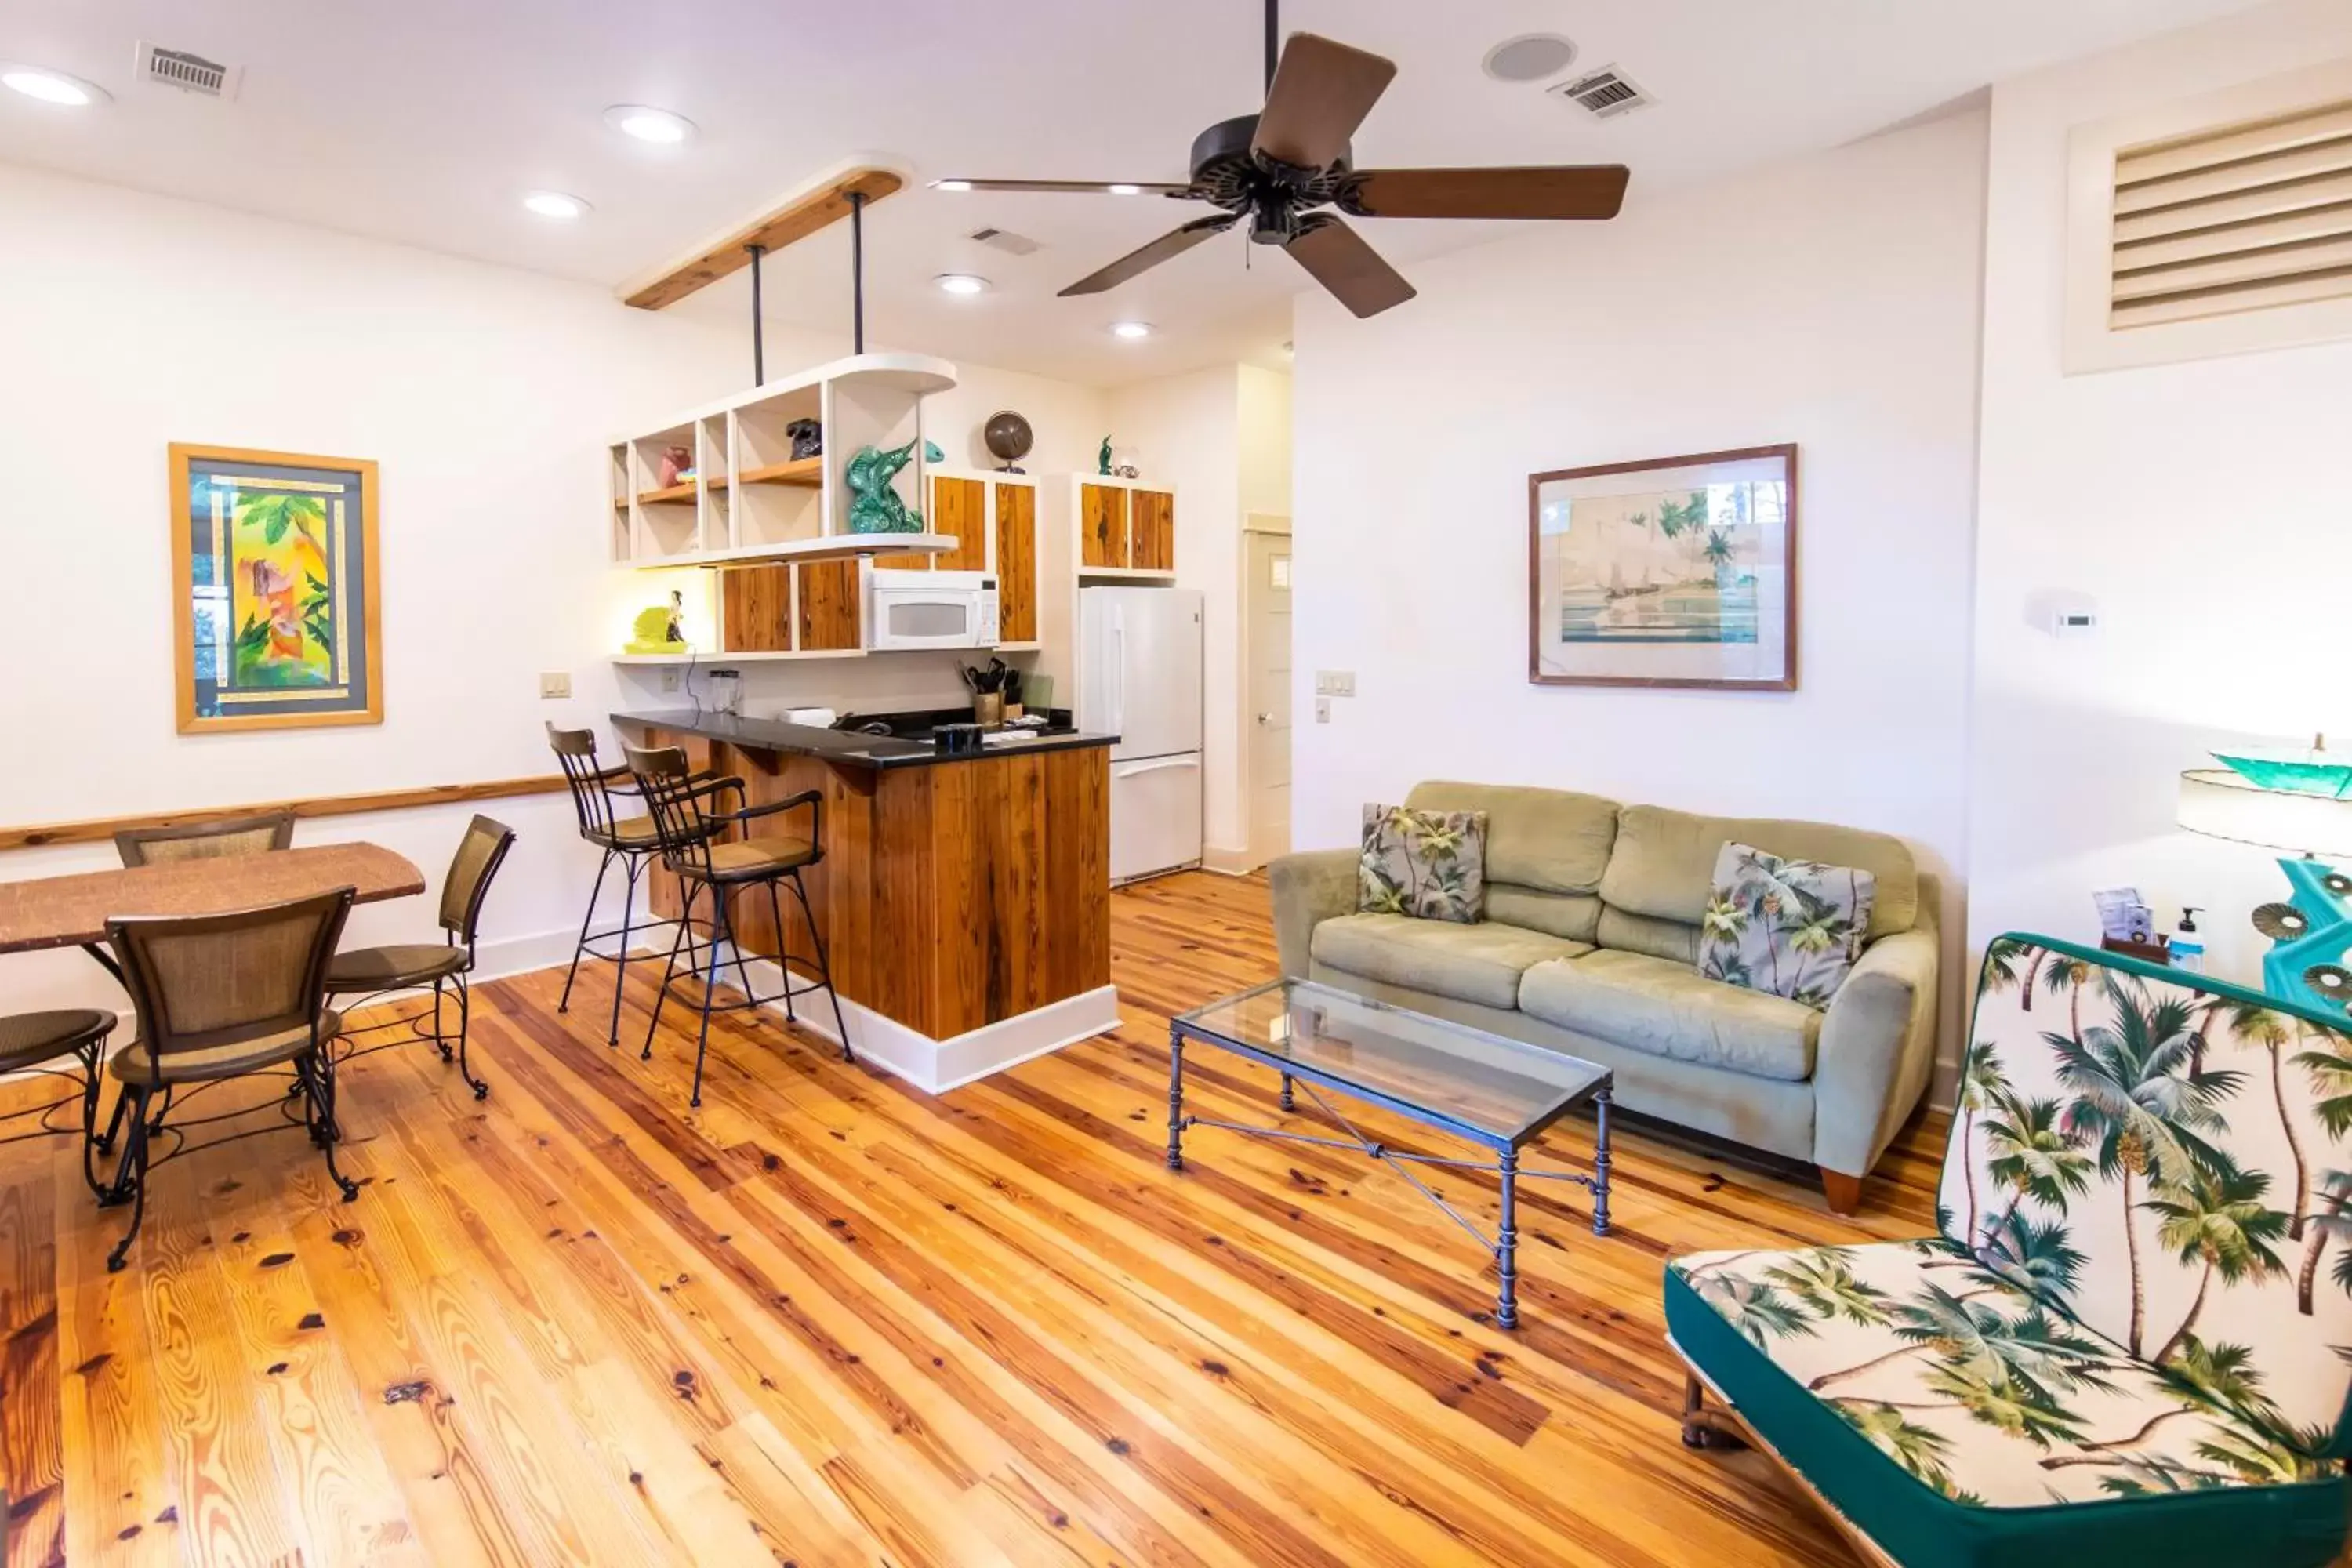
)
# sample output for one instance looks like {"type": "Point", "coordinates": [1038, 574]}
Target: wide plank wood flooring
{"type": "Point", "coordinates": [830, 1321]}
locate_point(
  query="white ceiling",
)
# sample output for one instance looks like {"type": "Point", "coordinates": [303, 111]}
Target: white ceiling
{"type": "Point", "coordinates": [424, 120]}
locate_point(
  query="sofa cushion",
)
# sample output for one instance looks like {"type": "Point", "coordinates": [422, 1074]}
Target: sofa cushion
{"type": "Point", "coordinates": [1961, 1425]}
{"type": "Point", "coordinates": [1664, 862]}
{"type": "Point", "coordinates": [1640, 934]}
{"type": "Point", "coordinates": [1576, 916]}
{"type": "Point", "coordinates": [1792, 928]}
{"type": "Point", "coordinates": [1480, 963]}
{"type": "Point", "coordinates": [1430, 865]}
{"type": "Point", "coordinates": [1549, 839]}
{"type": "Point", "coordinates": [1657, 1005]}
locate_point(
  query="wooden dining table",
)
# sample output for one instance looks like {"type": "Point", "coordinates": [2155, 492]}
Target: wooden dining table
{"type": "Point", "coordinates": [72, 911]}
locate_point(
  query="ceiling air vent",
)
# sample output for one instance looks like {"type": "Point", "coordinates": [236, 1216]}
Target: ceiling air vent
{"type": "Point", "coordinates": [188, 72]}
{"type": "Point", "coordinates": [1005, 240]}
{"type": "Point", "coordinates": [1605, 93]}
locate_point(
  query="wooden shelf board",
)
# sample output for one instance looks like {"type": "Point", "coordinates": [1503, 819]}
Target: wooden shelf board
{"type": "Point", "coordinates": [808, 472]}
{"type": "Point", "coordinates": [1129, 573]}
{"type": "Point", "coordinates": [813, 207]}
{"type": "Point", "coordinates": [770, 656]}
{"type": "Point", "coordinates": [681, 493]}
{"type": "Point", "coordinates": [827, 547]}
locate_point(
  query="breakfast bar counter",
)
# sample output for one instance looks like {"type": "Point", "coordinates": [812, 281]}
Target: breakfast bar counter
{"type": "Point", "coordinates": [964, 900]}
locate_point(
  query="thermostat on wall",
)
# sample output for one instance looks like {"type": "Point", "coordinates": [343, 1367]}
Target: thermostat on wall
{"type": "Point", "coordinates": [2066, 615]}
{"type": "Point", "coordinates": [2073, 622]}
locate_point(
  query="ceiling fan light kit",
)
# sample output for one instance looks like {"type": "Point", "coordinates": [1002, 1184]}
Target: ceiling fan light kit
{"type": "Point", "coordinates": [1277, 167]}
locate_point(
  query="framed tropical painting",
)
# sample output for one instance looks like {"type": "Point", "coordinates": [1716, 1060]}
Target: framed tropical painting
{"type": "Point", "coordinates": [274, 591]}
{"type": "Point", "coordinates": [1675, 572]}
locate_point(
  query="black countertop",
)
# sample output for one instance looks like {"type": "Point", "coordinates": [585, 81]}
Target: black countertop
{"type": "Point", "coordinates": [841, 746]}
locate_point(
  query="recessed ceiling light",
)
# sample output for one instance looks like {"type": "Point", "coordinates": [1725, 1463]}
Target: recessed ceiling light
{"type": "Point", "coordinates": [555, 204]}
{"type": "Point", "coordinates": [657, 125]}
{"type": "Point", "coordinates": [51, 86]}
{"type": "Point", "coordinates": [951, 185]}
{"type": "Point", "coordinates": [1130, 329]}
{"type": "Point", "coordinates": [962, 283]}
{"type": "Point", "coordinates": [1531, 57]}
{"type": "Point", "coordinates": [1127, 190]}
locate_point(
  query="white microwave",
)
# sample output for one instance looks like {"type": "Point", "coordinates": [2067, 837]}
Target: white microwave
{"type": "Point", "coordinates": [930, 609]}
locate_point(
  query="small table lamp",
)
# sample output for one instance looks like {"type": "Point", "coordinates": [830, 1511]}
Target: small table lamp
{"type": "Point", "coordinates": [2300, 802]}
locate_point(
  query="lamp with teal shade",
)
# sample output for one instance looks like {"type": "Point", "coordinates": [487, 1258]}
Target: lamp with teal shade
{"type": "Point", "coordinates": [2299, 801]}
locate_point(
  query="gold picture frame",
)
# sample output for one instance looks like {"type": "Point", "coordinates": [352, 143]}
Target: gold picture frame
{"type": "Point", "coordinates": [276, 598]}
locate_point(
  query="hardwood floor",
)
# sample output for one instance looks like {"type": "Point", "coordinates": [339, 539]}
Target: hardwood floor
{"type": "Point", "coordinates": [831, 1321]}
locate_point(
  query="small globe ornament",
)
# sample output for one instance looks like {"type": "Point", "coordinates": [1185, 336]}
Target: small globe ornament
{"type": "Point", "coordinates": [1009, 437]}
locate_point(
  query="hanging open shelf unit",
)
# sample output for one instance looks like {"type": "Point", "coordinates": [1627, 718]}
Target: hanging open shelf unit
{"type": "Point", "coordinates": [751, 500]}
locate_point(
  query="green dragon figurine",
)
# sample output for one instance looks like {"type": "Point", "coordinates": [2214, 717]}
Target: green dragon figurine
{"type": "Point", "coordinates": [874, 505]}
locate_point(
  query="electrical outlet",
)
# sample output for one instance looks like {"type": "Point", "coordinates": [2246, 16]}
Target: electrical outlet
{"type": "Point", "coordinates": [555, 683]}
{"type": "Point", "coordinates": [669, 681]}
{"type": "Point", "coordinates": [1322, 709]}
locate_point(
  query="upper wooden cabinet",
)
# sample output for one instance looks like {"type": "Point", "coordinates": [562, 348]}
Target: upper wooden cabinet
{"type": "Point", "coordinates": [1016, 563]}
{"type": "Point", "coordinates": [1127, 528]}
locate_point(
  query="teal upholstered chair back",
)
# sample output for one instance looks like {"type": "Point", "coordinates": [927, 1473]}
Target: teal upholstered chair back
{"type": "Point", "coordinates": [2167, 1158]}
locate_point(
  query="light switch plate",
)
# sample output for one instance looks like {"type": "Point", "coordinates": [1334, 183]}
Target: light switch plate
{"type": "Point", "coordinates": [555, 683]}
{"type": "Point", "coordinates": [669, 681]}
{"type": "Point", "coordinates": [1334, 683]}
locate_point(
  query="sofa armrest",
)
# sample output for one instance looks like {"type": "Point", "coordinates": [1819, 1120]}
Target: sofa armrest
{"type": "Point", "coordinates": [1877, 1050]}
{"type": "Point", "coordinates": [1309, 887]}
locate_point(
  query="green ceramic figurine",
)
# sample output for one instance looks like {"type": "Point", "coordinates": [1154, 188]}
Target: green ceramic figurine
{"type": "Point", "coordinates": [874, 506]}
{"type": "Point", "coordinates": [1103, 458]}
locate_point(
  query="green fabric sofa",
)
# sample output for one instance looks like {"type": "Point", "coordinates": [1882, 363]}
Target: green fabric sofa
{"type": "Point", "coordinates": [1590, 946]}
{"type": "Point", "coordinates": [2121, 1347]}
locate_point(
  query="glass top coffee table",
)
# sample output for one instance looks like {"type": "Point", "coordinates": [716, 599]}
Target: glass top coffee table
{"type": "Point", "coordinates": [1495, 1092]}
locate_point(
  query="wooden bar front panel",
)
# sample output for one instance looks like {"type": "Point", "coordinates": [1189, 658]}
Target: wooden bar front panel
{"type": "Point", "coordinates": [1016, 563]}
{"type": "Point", "coordinates": [1102, 525]}
{"type": "Point", "coordinates": [952, 896]}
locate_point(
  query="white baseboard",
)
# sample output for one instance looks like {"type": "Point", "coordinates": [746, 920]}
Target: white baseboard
{"type": "Point", "coordinates": [935, 1065]}
{"type": "Point", "coordinates": [1228, 862]}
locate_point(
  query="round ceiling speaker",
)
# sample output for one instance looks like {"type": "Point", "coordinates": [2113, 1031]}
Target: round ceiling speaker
{"type": "Point", "coordinates": [2332, 981]}
{"type": "Point", "coordinates": [2280, 922]}
{"type": "Point", "coordinates": [1531, 57]}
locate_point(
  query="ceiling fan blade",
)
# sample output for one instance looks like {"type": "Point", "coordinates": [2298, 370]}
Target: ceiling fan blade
{"type": "Point", "coordinates": [1573, 191]}
{"type": "Point", "coordinates": [1340, 260]}
{"type": "Point", "coordinates": [1321, 93]}
{"type": "Point", "coordinates": [1174, 243]}
{"type": "Point", "coordinates": [1069, 188]}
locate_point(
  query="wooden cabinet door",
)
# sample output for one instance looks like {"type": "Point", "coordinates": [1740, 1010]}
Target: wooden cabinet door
{"type": "Point", "coordinates": [1151, 531]}
{"type": "Point", "coordinates": [755, 609]}
{"type": "Point", "coordinates": [830, 615]}
{"type": "Point", "coordinates": [959, 508]}
{"type": "Point", "coordinates": [1016, 563]}
{"type": "Point", "coordinates": [1102, 525]}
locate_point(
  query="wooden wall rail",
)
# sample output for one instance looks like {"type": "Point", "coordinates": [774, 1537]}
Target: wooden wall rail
{"type": "Point", "coordinates": [99, 829]}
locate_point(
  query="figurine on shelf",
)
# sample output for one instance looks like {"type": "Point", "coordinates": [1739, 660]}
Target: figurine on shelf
{"type": "Point", "coordinates": [1102, 463]}
{"type": "Point", "coordinates": [676, 465]}
{"type": "Point", "coordinates": [1009, 438]}
{"type": "Point", "coordinates": [660, 629]}
{"type": "Point", "coordinates": [808, 438]}
{"type": "Point", "coordinates": [874, 506]}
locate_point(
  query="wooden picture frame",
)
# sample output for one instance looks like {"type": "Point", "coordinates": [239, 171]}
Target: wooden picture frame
{"type": "Point", "coordinates": [1606, 544]}
{"type": "Point", "coordinates": [277, 613]}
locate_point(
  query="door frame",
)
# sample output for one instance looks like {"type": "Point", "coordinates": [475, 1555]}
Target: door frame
{"type": "Point", "coordinates": [1254, 522]}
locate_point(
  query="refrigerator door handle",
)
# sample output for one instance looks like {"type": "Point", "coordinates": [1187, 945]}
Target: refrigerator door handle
{"type": "Point", "coordinates": [1118, 671]}
{"type": "Point", "coordinates": [1129, 769]}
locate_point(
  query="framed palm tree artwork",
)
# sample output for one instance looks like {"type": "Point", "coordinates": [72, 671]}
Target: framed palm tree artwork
{"type": "Point", "coordinates": [276, 617]}
{"type": "Point", "coordinates": [1672, 572]}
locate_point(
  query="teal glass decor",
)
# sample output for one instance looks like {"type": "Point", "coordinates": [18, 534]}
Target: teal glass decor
{"type": "Point", "coordinates": [1103, 458]}
{"type": "Point", "coordinates": [2311, 931]}
{"type": "Point", "coordinates": [875, 506]}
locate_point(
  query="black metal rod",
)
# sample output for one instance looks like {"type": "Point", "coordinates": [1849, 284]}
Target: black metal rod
{"type": "Point", "coordinates": [858, 272]}
{"type": "Point", "coordinates": [1272, 39]}
{"type": "Point", "coordinates": [759, 344]}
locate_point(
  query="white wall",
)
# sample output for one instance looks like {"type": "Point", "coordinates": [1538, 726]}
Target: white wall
{"type": "Point", "coordinates": [2201, 505]}
{"type": "Point", "coordinates": [486, 395]}
{"type": "Point", "coordinates": [1265, 454]}
{"type": "Point", "coordinates": [1832, 302]}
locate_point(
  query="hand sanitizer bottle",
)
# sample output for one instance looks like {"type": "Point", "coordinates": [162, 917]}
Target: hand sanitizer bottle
{"type": "Point", "coordinates": [2188, 944]}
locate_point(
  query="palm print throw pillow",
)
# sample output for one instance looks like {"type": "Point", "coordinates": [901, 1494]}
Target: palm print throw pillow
{"type": "Point", "coordinates": [1426, 865]}
{"type": "Point", "coordinates": [1792, 928]}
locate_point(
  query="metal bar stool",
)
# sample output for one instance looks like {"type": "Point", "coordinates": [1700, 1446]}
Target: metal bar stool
{"type": "Point", "coordinates": [221, 998]}
{"type": "Point", "coordinates": [370, 973]}
{"type": "Point", "coordinates": [30, 1042]}
{"type": "Point", "coordinates": [630, 840]}
{"type": "Point", "coordinates": [687, 820]}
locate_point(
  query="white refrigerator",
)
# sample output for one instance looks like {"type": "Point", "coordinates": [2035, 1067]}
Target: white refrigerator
{"type": "Point", "coordinates": [1139, 678]}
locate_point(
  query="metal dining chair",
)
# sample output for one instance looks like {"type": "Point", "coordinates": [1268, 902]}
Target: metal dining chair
{"type": "Point", "coordinates": [631, 840]}
{"type": "Point", "coordinates": [370, 972]}
{"type": "Point", "coordinates": [33, 1043]}
{"type": "Point", "coordinates": [688, 818]}
{"type": "Point", "coordinates": [220, 997]}
{"type": "Point", "coordinates": [205, 840]}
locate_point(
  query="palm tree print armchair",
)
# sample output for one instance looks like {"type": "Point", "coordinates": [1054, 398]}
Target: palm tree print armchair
{"type": "Point", "coordinates": [2130, 1340]}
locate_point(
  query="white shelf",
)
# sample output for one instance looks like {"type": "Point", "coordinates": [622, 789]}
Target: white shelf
{"type": "Point", "coordinates": [827, 547]}
{"type": "Point", "coordinates": [773, 656]}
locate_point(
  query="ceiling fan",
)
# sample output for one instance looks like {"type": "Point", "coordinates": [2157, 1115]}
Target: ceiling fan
{"type": "Point", "coordinates": [1279, 166]}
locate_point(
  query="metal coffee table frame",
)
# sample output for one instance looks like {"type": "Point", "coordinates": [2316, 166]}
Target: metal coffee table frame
{"type": "Point", "coordinates": [1503, 1248]}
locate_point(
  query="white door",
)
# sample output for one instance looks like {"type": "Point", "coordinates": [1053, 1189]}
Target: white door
{"type": "Point", "coordinates": [1266, 610]}
{"type": "Point", "coordinates": [1155, 816]}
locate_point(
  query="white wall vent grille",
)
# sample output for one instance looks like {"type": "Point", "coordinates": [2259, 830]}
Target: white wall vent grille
{"type": "Point", "coordinates": [188, 72]}
{"type": "Point", "coordinates": [1605, 93]}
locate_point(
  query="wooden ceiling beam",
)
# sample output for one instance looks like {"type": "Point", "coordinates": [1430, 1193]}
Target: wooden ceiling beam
{"type": "Point", "coordinates": [822, 202]}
